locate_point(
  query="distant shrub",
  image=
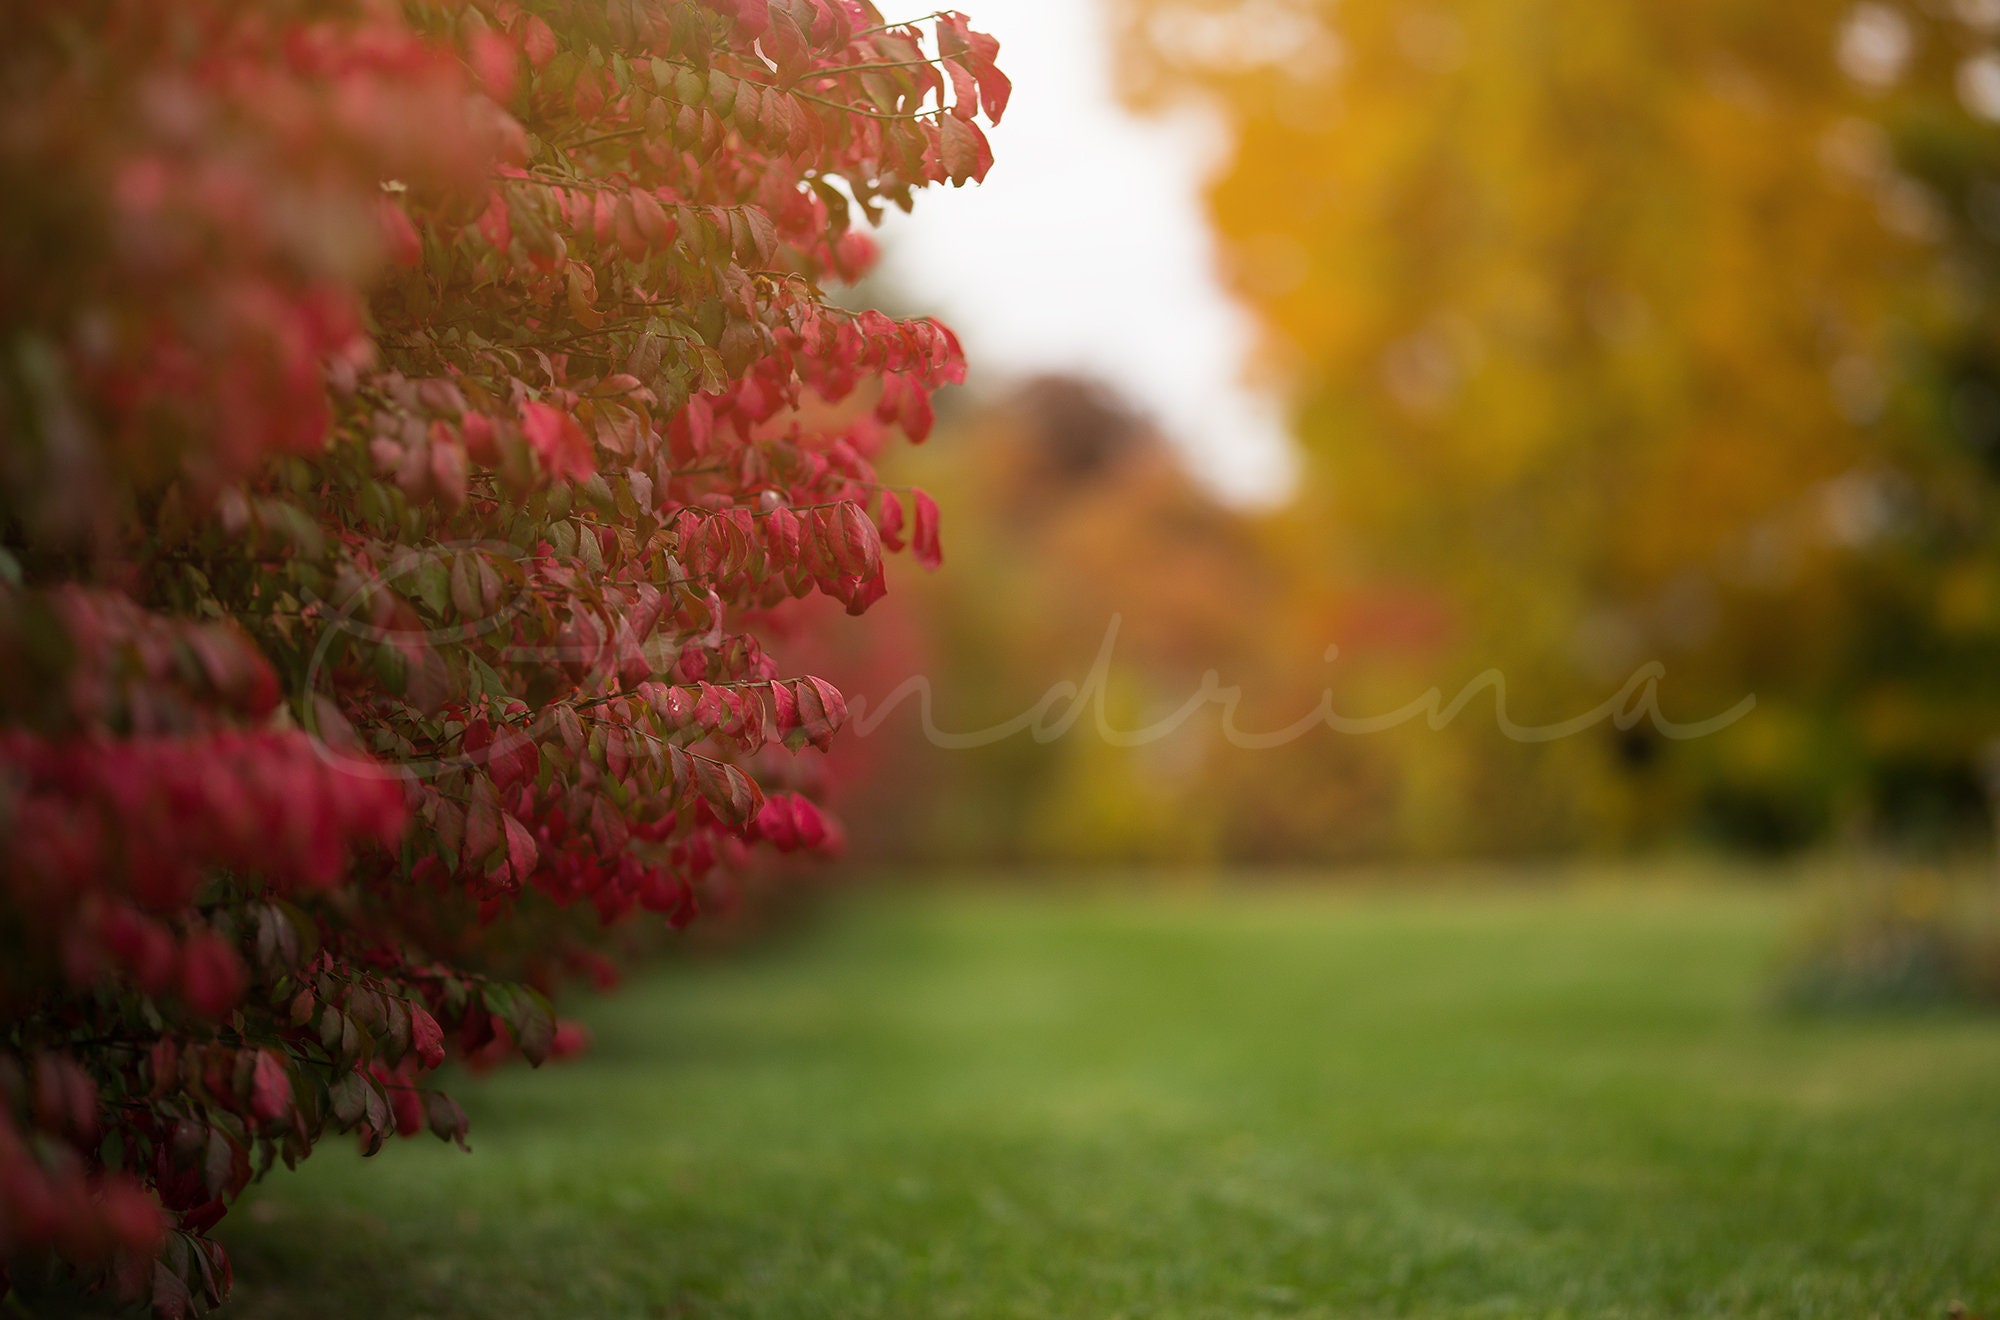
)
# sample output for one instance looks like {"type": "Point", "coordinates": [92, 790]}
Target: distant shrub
{"type": "Point", "coordinates": [1915, 938]}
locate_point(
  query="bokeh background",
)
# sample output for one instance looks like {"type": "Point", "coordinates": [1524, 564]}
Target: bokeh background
{"type": "Point", "coordinates": [1553, 339]}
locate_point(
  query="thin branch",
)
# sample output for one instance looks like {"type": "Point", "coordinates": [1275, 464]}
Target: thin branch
{"type": "Point", "coordinates": [909, 118]}
{"type": "Point", "coordinates": [903, 23]}
{"type": "Point", "coordinates": [883, 64]}
{"type": "Point", "coordinates": [605, 137]}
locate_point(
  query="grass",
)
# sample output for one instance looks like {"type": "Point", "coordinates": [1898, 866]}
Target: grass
{"type": "Point", "coordinates": [1268, 1104]}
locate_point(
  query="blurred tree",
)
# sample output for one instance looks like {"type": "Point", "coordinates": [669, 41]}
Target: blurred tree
{"type": "Point", "coordinates": [1628, 332]}
{"type": "Point", "coordinates": [1080, 532]}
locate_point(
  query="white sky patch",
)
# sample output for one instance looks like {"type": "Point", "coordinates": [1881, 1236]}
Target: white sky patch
{"type": "Point", "coordinates": [1087, 251]}
{"type": "Point", "coordinates": [1979, 85]}
{"type": "Point", "coordinates": [1875, 45]}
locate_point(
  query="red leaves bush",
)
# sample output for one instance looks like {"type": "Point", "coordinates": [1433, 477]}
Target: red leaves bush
{"type": "Point", "coordinates": [412, 416]}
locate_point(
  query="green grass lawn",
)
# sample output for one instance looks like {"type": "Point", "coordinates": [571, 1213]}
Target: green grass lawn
{"type": "Point", "coordinates": [1241, 1104]}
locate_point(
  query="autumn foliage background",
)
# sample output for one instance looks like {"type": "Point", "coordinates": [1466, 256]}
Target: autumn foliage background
{"type": "Point", "coordinates": [1611, 336]}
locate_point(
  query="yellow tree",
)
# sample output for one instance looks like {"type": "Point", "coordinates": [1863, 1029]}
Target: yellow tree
{"type": "Point", "coordinates": [1633, 332]}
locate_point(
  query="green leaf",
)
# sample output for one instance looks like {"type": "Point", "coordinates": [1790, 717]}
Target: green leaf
{"type": "Point", "coordinates": [347, 1098]}
{"type": "Point", "coordinates": [589, 549]}
{"type": "Point", "coordinates": [534, 1025]}
{"type": "Point", "coordinates": [432, 582]}
{"type": "Point", "coordinates": [465, 585]}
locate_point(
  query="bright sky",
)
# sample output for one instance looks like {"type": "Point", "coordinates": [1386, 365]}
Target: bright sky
{"type": "Point", "coordinates": [1085, 251]}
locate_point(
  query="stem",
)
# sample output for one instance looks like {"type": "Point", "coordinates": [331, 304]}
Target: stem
{"type": "Point", "coordinates": [605, 137]}
{"type": "Point", "coordinates": [910, 118]}
{"type": "Point", "coordinates": [908, 22]}
{"type": "Point", "coordinates": [883, 64]}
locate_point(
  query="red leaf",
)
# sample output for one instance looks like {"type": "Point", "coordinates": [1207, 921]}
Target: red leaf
{"type": "Point", "coordinates": [132, 1216]}
{"type": "Point", "coordinates": [858, 593]}
{"type": "Point", "coordinates": [477, 430]}
{"type": "Point", "coordinates": [270, 1088]}
{"type": "Point", "coordinates": [538, 41]}
{"type": "Point", "coordinates": [212, 976]}
{"type": "Point", "coordinates": [810, 824]}
{"type": "Point", "coordinates": [399, 236]}
{"type": "Point", "coordinates": [995, 89]}
{"type": "Point", "coordinates": [513, 759]}
{"type": "Point", "coordinates": [496, 226]}
{"type": "Point", "coordinates": [482, 823]}
{"type": "Point", "coordinates": [570, 1040]}
{"type": "Point", "coordinates": [963, 150]}
{"type": "Point", "coordinates": [728, 791]}
{"type": "Point", "coordinates": [914, 413]}
{"type": "Point", "coordinates": [626, 225]}
{"type": "Point", "coordinates": [449, 477]}
{"type": "Point", "coordinates": [964, 90]}
{"type": "Point", "coordinates": [822, 710]}
{"type": "Point", "coordinates": [889, 520]}
{"type": "Point", "coordinates": [753, 16]}
{"type": "Point", "coordinates": [558, 441]}
{"type": "Point", "coordinates": [521, 851]}
{"type": "Point", "coordinates": [924, 536]}
{"type": "Point", "coordinates": [496, 61]}
{"type": "Point", "coordinates": [784, 708]}
{"type": "Point", "coordinates": [710, 713]}
{"type": "Point", "coordinates": [776, 824]}
{"type": "Point", "coordinates": [656, 228]}
{"type": "Point", "coordinates": [782, 535]}
{"type": "Point", "coordinates": [408, 1108]}
{"type": "Point", "coordinates": [855, 544]}
{"type": "Point", "coordinates": [426, 1036]}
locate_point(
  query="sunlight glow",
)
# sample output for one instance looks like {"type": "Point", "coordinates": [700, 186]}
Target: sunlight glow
{"type": "Point", "coordinates": [1086, 251]}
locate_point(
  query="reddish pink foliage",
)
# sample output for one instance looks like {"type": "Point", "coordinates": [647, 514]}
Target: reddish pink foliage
{"type": "Point", "coordinates": [421, 417]}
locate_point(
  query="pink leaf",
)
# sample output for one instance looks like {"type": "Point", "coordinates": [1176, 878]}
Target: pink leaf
{"type": "Point", "coordinates": [924, 536]}
{"type": "Point", "coordinates": [558, 441]}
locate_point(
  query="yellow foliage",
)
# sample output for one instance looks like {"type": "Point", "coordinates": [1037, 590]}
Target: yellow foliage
{"type": "Point", "coordinates": [1627, 330]}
